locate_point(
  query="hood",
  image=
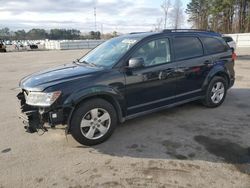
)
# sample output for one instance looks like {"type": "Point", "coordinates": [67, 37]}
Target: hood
{"type": "Point", "coordinates": [46, 78]}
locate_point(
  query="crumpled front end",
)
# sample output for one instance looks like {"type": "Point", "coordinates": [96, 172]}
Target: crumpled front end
{"type": "Point", "coordinates": [34, 118]}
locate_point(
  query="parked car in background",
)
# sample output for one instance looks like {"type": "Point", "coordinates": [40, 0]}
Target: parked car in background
{"type": "Point", "coordinates": [126, 77]}
{"type": "Point", "coordinates": [2, 46]}
{"type": "Point", "coordinates": [229, 40]}
{"type": "Point", "coordinates": [8, 42]}
{"type": "Point", "coordinates": [33, 46]}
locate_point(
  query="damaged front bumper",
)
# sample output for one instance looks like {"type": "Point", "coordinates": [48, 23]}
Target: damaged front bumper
{"type": "Point", "coordinates": [35, 118]}
{"type": "Point", "coordinates": [32, 121]}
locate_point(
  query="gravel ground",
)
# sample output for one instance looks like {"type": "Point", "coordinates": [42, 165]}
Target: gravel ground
{"type": "Point", "coordinates": [186, 146]}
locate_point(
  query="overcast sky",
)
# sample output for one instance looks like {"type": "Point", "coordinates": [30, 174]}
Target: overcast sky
{"type": "Point", "coordinates": [120, 15]}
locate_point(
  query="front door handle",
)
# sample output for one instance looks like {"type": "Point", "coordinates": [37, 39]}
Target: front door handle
{"type": "Point", "coordinates": [208, 62]}
{"type": "Point", "coordinates": [164, 75]}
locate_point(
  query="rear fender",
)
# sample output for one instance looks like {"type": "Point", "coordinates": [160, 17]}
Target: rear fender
{"type": "Point", "coordinates": [218, 70]}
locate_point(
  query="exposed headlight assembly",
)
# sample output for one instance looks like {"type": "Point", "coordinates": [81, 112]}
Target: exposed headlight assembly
{"type": "Point", "coordinates": [41, 98]}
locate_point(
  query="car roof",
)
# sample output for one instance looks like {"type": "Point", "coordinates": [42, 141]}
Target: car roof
{"type": "Point", "coordinates": [173, 32]}
{"type": "Point", "coordinates": [137, 35]}
{"type": "Point", "coordinates": [225, 36]}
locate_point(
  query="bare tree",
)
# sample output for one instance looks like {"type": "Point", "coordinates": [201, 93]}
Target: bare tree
{"type": "Point", "coordinates": [158, 25]}
{"type": "Point", "coordinates": [177, 14]}
{"type": "Point", "coordinates": [165, 7]}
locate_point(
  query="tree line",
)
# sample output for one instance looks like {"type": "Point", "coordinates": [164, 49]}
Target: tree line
{"type": "Point", "coordinates": [52, 34]}
{"type": "Point", "coordinates": [173, 15]}
{"type": "Point", "coordinates": [225, 16]}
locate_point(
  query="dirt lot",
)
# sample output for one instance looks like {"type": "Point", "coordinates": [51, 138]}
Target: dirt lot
{"type": "Point", "coordinates": [186, 146]}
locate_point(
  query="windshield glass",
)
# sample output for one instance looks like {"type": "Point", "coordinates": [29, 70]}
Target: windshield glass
{"type": "Point", "coordinates": [109, 52]}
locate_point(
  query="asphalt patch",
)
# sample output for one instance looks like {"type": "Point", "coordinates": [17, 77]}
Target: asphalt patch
{"type": "Point", "coordinates": [229, 151]}
{"type": "Point", "coordinates": [242, 105]}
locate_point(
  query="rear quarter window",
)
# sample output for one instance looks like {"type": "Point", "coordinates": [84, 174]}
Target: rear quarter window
{"type": "Point", "coordinates": [227, 39]}
{"type": "Point", "coordinates": [214, 45]}
{"type": "Point", "coordinates": [187, 47]}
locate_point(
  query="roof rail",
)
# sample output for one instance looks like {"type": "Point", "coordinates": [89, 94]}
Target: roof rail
{"type": "Point", "coordinates": [186, 30]}
{"type": "Point", "coordinates": [137, 32]}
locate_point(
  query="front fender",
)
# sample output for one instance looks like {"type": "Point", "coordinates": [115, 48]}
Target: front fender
{"type": "Point", "coordinates": [80, 95]}
{"type": "Point", "coordinates": [99, 91]}
{"type": "Point", "coordinates": [216, 70]}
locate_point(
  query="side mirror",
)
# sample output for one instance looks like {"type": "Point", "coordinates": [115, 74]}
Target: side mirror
{"type": "Point", "coordinates": [136, 62]}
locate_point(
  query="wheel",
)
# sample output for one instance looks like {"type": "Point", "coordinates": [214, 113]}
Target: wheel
{"type": "Point", "coordinates": [93, 122]}
{"type": "Point", "coordinates": [216, 92]}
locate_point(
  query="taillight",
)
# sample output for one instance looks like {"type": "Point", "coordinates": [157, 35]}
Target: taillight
{"type": "Point", "coordinates": [234, 56]}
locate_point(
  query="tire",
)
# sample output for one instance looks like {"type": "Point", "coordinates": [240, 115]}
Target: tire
{"type": "Point", "coordinates": [214, 97]}
{"type": "Point", "coordinates": [93, 122]}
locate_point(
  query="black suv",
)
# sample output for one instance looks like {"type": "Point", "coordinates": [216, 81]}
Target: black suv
{"type": "Point", "coordinates": [126, 77]}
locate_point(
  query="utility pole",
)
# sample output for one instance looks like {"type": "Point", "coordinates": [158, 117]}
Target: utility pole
{"type": "Point", "coordinates": [95, 17]}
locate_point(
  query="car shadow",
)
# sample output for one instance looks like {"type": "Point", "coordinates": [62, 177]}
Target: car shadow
{"type": "Point", "coordinates": [191, 132]}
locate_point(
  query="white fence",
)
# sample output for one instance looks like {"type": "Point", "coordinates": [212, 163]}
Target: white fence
{"type": "Point", "coordinates": [241, 39]}
{"type": "Point", "coordinates": [72, 44]}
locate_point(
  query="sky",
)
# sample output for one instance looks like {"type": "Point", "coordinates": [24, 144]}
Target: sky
{"type": "Point", "coordinates": [123, 16]}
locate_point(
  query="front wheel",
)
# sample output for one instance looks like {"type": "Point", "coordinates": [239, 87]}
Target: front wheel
{"type": "Point", "coordinates": [93, 122]}
{"type": "Point", "coordinates": [216, 92]}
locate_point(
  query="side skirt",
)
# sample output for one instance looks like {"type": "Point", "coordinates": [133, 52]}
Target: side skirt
{"type": "Point", "coordinates": [162, 108]}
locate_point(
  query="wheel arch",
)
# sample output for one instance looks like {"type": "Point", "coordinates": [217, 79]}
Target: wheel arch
{"type": "Point", "coordinates": [225, 76]}
{"type": "Point", "coordinates": [112, 98]}
{"type": "Point", "coordinates": [109, 98]}
{"type": "Point", "coordinates": [219, 71]}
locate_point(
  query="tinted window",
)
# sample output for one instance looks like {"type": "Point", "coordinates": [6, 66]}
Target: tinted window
{"type": "Point", "coordinates": [154, 52]}
{"type": "Point", "coordinates": [227, 39]}
{"type": "Point", "coordinates": [187, 47]}
{"type": "Point", "coordinates": [214, 45]}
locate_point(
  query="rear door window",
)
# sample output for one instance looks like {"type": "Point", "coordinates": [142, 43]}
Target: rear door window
{"type": "Point", "coordinates": [214, 45]}
{"type": "Point", "coordinates": [187, 47]}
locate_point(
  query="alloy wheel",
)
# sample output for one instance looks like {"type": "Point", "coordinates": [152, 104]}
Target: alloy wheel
{"type": "Point", "coordinates": [95, 123]}
{"type": "Point", "coordinates": [217, 92]}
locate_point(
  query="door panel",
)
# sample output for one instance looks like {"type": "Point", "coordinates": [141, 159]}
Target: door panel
{"type": "Point", "coordinates": [150, 88]}
{"type": "Point", "coordinates": [192, 66]}
{"type": "Point", "coordinates": [191, 75]}
{"type": "Point", "coordinates": [154, 85]}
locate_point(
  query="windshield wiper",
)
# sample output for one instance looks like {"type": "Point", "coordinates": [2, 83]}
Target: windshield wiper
{"type": "Point", "coordinates": [92, 64]}
{"type": "Point", "coordinates": [77, 61]}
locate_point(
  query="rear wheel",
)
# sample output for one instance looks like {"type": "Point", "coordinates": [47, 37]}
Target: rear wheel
{"type": "Point", "coordinates": [93, 122]}
{"type": "Point", "coordinates": [216, 92]}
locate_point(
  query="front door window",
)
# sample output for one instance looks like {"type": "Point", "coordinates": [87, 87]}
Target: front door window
{"type": "Point", "coordinates": [154, 52]}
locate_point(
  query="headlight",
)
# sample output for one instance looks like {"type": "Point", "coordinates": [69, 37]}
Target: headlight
{"type": "Point", "coordinates": [41, 98]}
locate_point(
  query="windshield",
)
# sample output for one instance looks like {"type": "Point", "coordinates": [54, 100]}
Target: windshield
{"type": "Point", "coordinates": [109, 52]}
